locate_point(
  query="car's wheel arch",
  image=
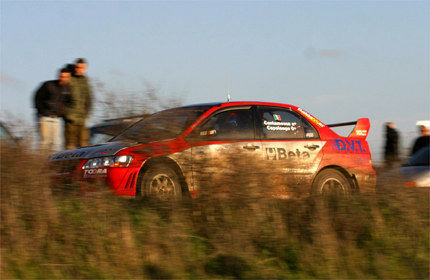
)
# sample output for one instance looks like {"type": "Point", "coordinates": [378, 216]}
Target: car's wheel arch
{"type": "Point", "coordinates": [163, 161]}
{"type": "Point", "coordinates": [349, 176]}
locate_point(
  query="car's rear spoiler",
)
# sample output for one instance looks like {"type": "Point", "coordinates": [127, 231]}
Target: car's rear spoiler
{"type": "Point", "coordinates": [360, 130]}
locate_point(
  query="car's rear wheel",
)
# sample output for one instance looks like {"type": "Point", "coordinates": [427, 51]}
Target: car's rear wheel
{"type": "Point", "coordinates": [331, 182]}
{"type": "Point", "coordinates": [161, 182]}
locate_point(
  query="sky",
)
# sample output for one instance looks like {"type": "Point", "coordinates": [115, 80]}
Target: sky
{"type": "Point", "coordinates": [338, 60]}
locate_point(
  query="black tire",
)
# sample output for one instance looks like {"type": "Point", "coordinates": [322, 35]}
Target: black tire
{"type": "Point", "coordinates": [331, 182]}
{"type": "Point", "coordinates": [160, 182]}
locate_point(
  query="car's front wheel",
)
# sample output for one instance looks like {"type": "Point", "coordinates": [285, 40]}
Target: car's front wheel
{"type": "Point", "coordinates": [331, 182]}
{"type": "Point", "coordinates": [161, 182]}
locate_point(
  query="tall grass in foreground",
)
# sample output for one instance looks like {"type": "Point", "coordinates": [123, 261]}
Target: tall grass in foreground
{"type": "Point", "coordinates": [240, 236]}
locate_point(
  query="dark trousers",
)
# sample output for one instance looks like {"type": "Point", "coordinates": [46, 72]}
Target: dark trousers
{"type": "Point", "coordinates": [75, 136]}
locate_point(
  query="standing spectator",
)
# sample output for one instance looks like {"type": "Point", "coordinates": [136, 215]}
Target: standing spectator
{"type": "Point", "coordinates": [76, 113]}
{"type": "Point", "coordinates": [423, 140]}
{"type": "Point", "coordinates": [49, 101]}
{"type": "Point", "coordinates": [391, 154]}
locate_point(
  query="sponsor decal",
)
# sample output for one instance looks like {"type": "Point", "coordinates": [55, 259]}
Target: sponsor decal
{"type": "Point", "coordinates": [95, 172]}
{"type": "Point", "coordinates": [348, 146]}
{"type": "Point", "coordinates": [87, 152]}
{"type": "Point", "coordinates": [361, 132]}
{"type": "Point", "coordinates": [159, 149]}
{"type": "Point", "coordinates": [284, 126]}
{"type": "Point", "coordinates": [208, 132]}
{"type": "Point", "coordinates": [283, 154]}
{"type": "Point", "coordinates": [312, 118]}
{"type": "Point", "coordinates": [67, 155]}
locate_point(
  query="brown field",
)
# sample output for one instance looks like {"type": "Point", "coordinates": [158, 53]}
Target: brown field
{"type": "Point", "coordinates": [244, 234]}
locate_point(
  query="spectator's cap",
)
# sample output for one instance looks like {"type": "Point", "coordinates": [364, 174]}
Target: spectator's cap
{"type": "Point", "coordinates": [425, 123]}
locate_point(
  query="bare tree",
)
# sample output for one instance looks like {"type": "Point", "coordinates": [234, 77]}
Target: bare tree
{"type": "Point", "coordinates": [20, 128]}
{"type": "Point", "coordinates": [110, 104]}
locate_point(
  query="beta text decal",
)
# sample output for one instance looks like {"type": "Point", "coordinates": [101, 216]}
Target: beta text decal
{"type": "Point", "coordinates": [283, 154]}
{"type": "Point", "coordinates": [348, 146]}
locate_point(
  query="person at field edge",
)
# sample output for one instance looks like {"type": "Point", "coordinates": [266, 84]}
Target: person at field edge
{"type": "Point", "coordinates": [77, 111]}
{"type": "Point", "coordinates": [391, 151]}
{"type": "Point", "coordinates": [49, 101]}
{"type": "Point", "coordinates": [423, 140]}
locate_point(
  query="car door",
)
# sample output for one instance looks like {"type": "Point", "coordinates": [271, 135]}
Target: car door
{"type": "Point", "coordinates": [291, 146]}
{"type": "Point", "coordinates": [224, 148]}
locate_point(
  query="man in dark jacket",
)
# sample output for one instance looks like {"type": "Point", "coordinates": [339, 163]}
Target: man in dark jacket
{"type": "Point", "coordinates": [391, 154]}
{"type": "Point", "coordinates": [76, 113]}
{"type": "Point", "coordinates": [49, 101]}
{"type": "Point", "coordinates": [424, 139]}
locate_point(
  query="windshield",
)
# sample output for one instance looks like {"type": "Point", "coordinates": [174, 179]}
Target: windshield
{"type": "Point", "coordinates": [163, 125]}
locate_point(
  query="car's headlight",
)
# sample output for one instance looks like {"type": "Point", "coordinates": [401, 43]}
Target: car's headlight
{"type": "Point", "coordinates": [116, 161]}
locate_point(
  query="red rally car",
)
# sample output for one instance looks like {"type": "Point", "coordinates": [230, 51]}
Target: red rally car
{"type": "Point", "coordinates": [165, 154]}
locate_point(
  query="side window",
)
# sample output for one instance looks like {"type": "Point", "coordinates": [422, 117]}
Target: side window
{"type": "Point", "coordinates": [278, 123]}
{"type": "Point", "coordinates": [227, 125]}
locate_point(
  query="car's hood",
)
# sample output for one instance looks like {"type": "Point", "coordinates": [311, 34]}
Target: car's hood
{"type": "Point", "coordinates": [108, 149]}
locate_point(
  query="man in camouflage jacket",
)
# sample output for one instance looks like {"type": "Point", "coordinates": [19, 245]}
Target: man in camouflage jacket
{"type": "Point", "coordinates": [78, 107]}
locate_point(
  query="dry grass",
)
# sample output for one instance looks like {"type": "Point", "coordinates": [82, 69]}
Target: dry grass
{"type": "Point", "coordinates": [241, 235]}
